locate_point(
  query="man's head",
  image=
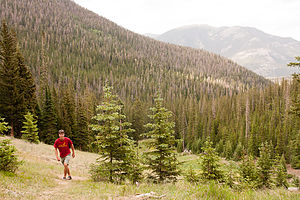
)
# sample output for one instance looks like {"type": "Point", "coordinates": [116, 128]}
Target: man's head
{"type": "Point", "coordinates": [61, 134]}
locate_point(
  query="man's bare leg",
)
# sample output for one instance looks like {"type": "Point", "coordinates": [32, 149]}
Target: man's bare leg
{"type": "Point", "coordinates": [69, 171]}
{"type": "Point", "coordinates": [66, 170]}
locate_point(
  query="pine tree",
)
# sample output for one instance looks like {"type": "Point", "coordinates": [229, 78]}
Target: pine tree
{"type": "Point", "coordinates": [295, 152]}
{"type": "Point", "coordinates": [265, 164]}
{"type": "Point", "coordinates": [38, 113]}
{"type": "Point", "coordinates": [138, 120]}
{"type": "Point", "coordinates": [48, 121]}
{"type": "Point", "coordinates": [281, 172]}
{"type": "Point", "coordinates": [68, 113]}
{"type": "Point", "coordinates": [238, 153]}
{"type": "Point", "coordinates": [12, 103]}
{"type": "Point", "coordinates": [30, 132]}
{"type": "Point", "coordinates": [228, 150]}
{"type": "Point", "coordinates": [295, 111]}
{"type": "Point", "coordinates": [26, 83]}
{"type": "Point", "coordinates": [283, 162]}
{"type": "Point", "coordinates": [8, 156]}
{"type": "Point", "coordinates": [3, 126]}
{"type": "Point", "coordinates": [135, 168]}
{"type": "Point", "coordinates": [82, 136]}
{"type": "Point", "coordinates": [253, 149]}
{"type": "Point", "coordinates": [16, 84]}
{"type": "Point", "coordinates": [191, 176]}
{"type": "Point", "coordinates": [161, 157]}
{"type": "Point", "coordinates": [248, 171]}
{"type": "Point", "coordinates": [115, 147]}
{"type": "Point", "coordinates": [220, 147]}
{"type": "Point", "coordinates": [209, 162]}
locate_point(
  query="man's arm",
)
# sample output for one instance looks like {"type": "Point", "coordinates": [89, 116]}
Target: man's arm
{"type": "Point", "coordinates": [73, 150]}
{"type": "Point", "coordinates": [56, 153]}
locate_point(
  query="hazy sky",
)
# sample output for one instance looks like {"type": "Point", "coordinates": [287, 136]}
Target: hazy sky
{"type": "Point", "coordinates": [277, 17]}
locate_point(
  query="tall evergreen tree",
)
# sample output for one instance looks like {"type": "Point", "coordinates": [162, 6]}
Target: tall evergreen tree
{"type": "Point", "coordinates": [238, 153]}
{"type": "Point", "coordinates": [68, 112]}
{"type": "Point", "coordinates": [12, 103]}
{"type": "Point", "coordinates": [209, 162]}
{"type": "Point", "coordinates": [248, 171]}
{"type": "Point", "coordinates": [296, 77]}
{"type": "Point", "coordinates": [295, 152]}
{"type": "Point", "coordinates": [228, 150]}
{"type": "Point", "coordinates": [265, 164]}
{"type": "Point", "coordinates": [161, 156]}
{"type": "Point", "coordinates": [115, 147]}
{"type": "Point", "coordinates": [48, 121]}
{"type": "Point", "coordinates": [27, 85]}
{"type": "Point", "coordinates": [82, 137]}
{"type": "Point", "coordinates": [281, 172]}
{"type": "Point", "coordinates": [138, 120]}
{"type": "Point", "coordinates": [253, 149]}
{"type": "Point", "coordinates": [295, 110]}
{"type": "Point", "coordinates": [30, 132]}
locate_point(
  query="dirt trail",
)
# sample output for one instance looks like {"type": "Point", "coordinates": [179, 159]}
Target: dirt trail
{"type": "Point", "coordinates": [61, 188]}
{"type": "Point", "coordinates": [79, 167]}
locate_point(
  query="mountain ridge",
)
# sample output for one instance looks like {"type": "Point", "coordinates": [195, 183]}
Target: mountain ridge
{"type": "Point", "coordinates": [263, 53]}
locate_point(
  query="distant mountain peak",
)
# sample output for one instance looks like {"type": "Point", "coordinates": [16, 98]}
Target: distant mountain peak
{"type": "Point", "coordinates": [258, 51]}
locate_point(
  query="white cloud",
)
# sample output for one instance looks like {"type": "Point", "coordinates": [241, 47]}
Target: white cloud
{"type": "Point", "coordinates": [277, 17]}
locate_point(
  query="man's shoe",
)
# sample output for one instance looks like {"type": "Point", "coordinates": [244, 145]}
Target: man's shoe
{"type": "Point", "coordinates": [69, 178]}
{"type": "Point", "coordinates": [64, 178]}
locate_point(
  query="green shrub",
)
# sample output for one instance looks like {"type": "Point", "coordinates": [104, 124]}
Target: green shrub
{"type": "Point", "coordinates": [30, 132]}
{"type": "Point", "coordinates": [296, 181]}
{"type": "Point", "coordinates": [191, 176]}
{"type": "Point", "coordinates": [135, 172]}
{"type": "Point", "coordinates": [99, 172]}
{"type": "Point", "coordinates": [8, 158]}
{"type": "Point", "coordinates": [281, 172]}
{"type": "Point", "coordinates": [289, 176]}
{"type": "Point", "coordinates": [231, 174]}
{"type": "Point", "coordinates": [265, 165]}
{"type": "Point", "coordinates": [220, 147]}
{"type": "Point", "coordinates": [105, 171]}
{"type": "Point", "coordinates": [228, 150]}
{"type": "Point", "coordinates": [238, 153]}
{"type": "Point", "coordinates": [248, 172]}
{"type": "Point", "coordinates": [228, 178]}
{"type": "Point", "coordinates": [3, 126]}
{"type": "Point", "coordinates": [210, 163]}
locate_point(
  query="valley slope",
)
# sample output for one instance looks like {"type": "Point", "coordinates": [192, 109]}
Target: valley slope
{"type": "Point", "coordinates": [88, 49]}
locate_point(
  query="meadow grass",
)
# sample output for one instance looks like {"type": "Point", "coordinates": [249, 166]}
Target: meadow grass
{"type": "Point", "coordinates": [40, 178]}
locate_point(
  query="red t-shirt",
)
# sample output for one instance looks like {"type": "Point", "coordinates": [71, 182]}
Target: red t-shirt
{"type": "Point", "coordinates": [63, 146]}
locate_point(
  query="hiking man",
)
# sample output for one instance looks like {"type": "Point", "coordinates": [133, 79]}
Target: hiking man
{"type": "Point", "coordinates": [63, 144]}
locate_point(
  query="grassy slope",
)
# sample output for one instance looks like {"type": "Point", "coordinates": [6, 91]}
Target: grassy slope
{"type": "Point", "coordinates": [40, 178]}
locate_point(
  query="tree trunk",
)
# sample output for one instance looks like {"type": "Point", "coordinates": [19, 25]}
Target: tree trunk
{"type": "Point", "coordinates": [110, 170]}
{"type": "Point", "coordinates": [12, 130]}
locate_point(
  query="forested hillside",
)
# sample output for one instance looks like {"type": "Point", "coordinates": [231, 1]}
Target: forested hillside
{"type": "Point", "coordinates": [72, 52]}
{"type": "Point", "coordinates": [83, 45]}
